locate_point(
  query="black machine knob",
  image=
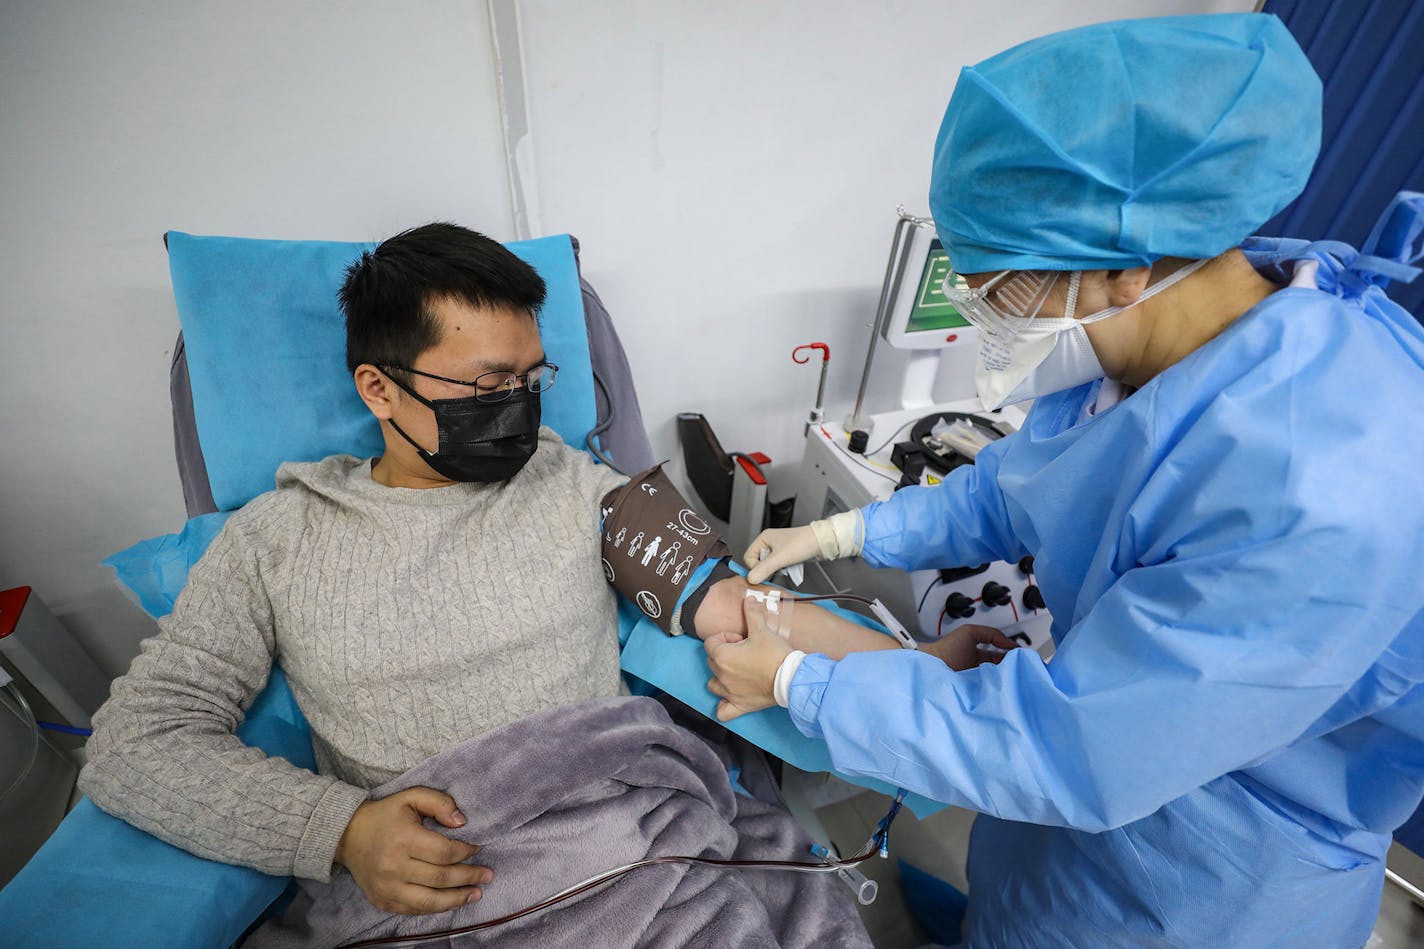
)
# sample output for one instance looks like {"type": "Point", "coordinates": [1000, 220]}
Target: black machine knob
{"type": "Point", "coordinates": [1026, 565]}
{"type": "Point", "coordinates": [859, 439]}
{"type": "Point", "coordinates": [1033, 599]}
{"type": "Point", "coordinates": [955, 574]}
{"type": "Point", "coordinates": [958, 606]}
{"type": "Point", "coordinates": [911, 466]}
{"type": "Point", "coordinates": [996, 594]}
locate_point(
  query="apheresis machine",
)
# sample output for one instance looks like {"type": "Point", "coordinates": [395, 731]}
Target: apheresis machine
{"type": "Point", "coordinates": [867, 457]}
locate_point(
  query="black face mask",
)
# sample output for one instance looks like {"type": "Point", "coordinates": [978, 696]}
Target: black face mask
{"type": "Point", "coordinates": [480, 441]}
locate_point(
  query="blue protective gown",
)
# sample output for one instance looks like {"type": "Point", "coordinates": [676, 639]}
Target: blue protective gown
{"type": "Point", "coordinates": [1233, 723]}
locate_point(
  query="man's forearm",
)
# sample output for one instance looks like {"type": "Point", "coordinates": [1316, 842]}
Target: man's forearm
{"type": "Point", "coordinates": [162, 762]}
{"type": "Point", "coordinates": [813, 629]}
{"type": "Point", "coordinates": [816, 630]}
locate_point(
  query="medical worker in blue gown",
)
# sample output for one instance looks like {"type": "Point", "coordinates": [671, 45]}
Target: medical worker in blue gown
{"type": "Point", "coordinates": [1222, 484]}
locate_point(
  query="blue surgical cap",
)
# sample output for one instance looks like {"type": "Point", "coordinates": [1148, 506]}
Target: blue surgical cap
{"type": "Point", "coordinates": [1109, 146]}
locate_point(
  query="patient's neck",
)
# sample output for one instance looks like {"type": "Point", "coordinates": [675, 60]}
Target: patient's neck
{"type": "Point", "coordinates": [389, 471]}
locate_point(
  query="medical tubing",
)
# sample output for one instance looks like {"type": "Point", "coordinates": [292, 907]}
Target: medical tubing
{"type": "Point", "coordinates": [854, 460]}
{"type": "Point", "coordinates": [864, 601]}
{"type": "Point", "coordinates": [928, 590]}
{"type": "Point", "coordinates": [878, 844]}
{"type": "Point", "coordinates": [65, 729]}
{"type": "Point", "coordinates": [886, 444]}
{"type": "Point", "coordinates": [854, 597]}
{"type": "Point", "coordinates": [34, 738]}
{"type": "Point", "coordinates": [590, 439]}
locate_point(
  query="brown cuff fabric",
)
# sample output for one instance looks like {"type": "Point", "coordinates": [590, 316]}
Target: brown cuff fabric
{"type": "Point", "coordinates": [653, 540]}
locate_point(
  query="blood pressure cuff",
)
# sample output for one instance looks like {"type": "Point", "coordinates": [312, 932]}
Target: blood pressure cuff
{"type": "Point", "coordinates": [653, 541]}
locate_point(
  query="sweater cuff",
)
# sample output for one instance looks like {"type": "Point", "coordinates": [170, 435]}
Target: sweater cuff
{"type": "Point", "coordinates": [317, 849]}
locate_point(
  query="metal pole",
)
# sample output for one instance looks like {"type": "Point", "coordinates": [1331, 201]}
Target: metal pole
{"type": "Point", "coordinates": [1412, 891]}
{"type": "Point", "coordinates": [894, 270]}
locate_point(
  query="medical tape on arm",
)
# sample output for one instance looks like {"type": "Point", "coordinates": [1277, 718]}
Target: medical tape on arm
{"type": "Point", "coordinates": [653, 541]}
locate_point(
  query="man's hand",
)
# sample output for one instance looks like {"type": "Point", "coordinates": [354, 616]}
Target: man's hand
{"type": "Point", "coordinates": [403, 867]}
{"type": "Point", "coordinates": [959, 648]}
{"type": "Point", "coordinates": [745, 667]}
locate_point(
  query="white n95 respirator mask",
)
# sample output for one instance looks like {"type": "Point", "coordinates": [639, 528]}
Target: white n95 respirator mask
{"type": "Point", "coordinates": [1023, 355]}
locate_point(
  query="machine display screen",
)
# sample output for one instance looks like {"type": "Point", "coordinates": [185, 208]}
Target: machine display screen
{"type": "Point", "coordinates": [931, 311]}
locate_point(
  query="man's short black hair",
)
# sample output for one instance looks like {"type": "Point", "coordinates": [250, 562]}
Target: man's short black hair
{"type": "Point", "coordinates": [389, 291]}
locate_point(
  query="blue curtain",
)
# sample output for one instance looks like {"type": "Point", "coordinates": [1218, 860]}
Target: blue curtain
{"type": "Point", "coordinates": [1370, 55]}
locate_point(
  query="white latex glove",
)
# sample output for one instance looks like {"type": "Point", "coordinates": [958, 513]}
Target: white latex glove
{"type": "Point", "coordinates": [781, 547]}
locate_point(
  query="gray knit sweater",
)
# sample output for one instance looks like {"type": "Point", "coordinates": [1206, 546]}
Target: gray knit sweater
{"type": "Point", "coordinates": [407, 620]}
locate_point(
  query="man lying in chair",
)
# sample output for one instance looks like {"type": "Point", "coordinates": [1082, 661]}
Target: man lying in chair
{"type": "Point", "coordinates": [443, 591]}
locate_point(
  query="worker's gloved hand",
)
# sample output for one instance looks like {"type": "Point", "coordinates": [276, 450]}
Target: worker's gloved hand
{"type": "Point", "coordinates": [831, 539]}
{"type": "Point", "coordinates": [745, 666]}
{"type": "Point", "coordinates": [402, 866]}
{"type": "Point", "coordinates": [960, 647]}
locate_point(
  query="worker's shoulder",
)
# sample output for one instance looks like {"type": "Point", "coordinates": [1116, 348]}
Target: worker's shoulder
{"type": "Point", "coordinates": [1307, 405]}
{"type": "Point", "coordinates": [1300, 359]}
{"type": "Point", "coordinates": [1316, 339]}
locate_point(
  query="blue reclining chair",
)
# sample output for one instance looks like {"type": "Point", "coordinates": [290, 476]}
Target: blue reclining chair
{"type": "Point", "coordinates": [258, 377]}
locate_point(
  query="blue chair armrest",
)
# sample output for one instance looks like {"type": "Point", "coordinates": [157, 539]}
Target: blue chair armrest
{"type": "Point", "coordinates": [100, 882]}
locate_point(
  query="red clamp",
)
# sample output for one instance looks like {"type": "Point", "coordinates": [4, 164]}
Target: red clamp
{"type": "Point", "coordinates": [802, 360]}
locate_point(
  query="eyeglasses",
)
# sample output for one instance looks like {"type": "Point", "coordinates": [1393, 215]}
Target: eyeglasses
{"type": "Point", "coordinates": [495, 386]}
{"type": "Point", "coordinates": [1003, 305]}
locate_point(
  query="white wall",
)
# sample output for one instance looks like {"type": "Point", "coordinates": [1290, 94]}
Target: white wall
{"type": "Point", "coordinates": [118, 121]}
{"type": "Point", "coordinates": [732, 168]}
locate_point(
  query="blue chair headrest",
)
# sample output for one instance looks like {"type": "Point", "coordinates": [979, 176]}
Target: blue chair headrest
{"type": "Point", "coordinates": [266, 350]}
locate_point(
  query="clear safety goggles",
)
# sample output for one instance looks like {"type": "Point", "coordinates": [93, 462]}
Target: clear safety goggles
{"type": "Point", "coordinates": [1006, 303]}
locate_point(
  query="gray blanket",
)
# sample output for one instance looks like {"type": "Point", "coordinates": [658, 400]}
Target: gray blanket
{"type": "Point", "coordinates": [560, 796]}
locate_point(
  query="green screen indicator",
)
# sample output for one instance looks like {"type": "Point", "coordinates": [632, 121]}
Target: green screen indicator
{"type": "Point", "coordinates": [932, 310]}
